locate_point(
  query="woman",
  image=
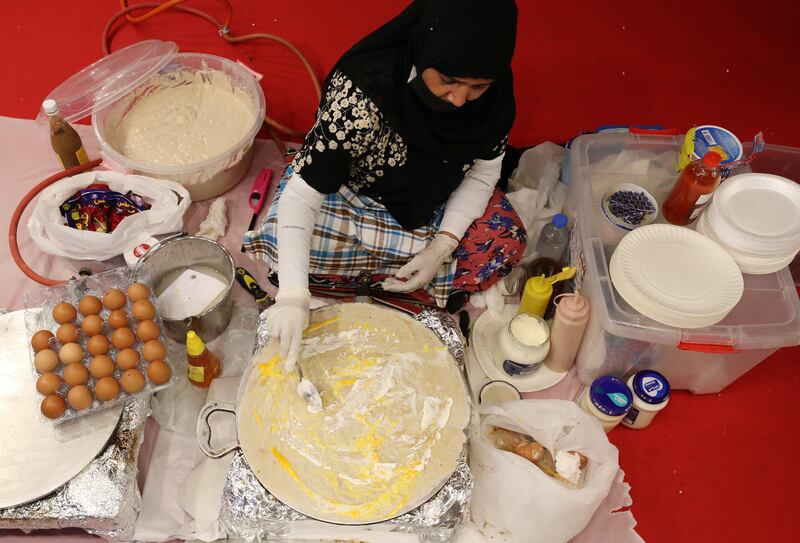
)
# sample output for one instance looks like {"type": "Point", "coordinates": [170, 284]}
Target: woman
{"type": "Point", "coordinates": [398, 173]}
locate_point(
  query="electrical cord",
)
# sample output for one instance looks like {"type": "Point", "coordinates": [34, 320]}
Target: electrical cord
{"type": "Point", "coordinates": [15, 218]}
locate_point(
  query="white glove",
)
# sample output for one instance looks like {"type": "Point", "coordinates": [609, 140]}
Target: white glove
{"type": "Point", "coordinates": [423, 267]}
{"type": "Point", "coordinates": [286, 320]}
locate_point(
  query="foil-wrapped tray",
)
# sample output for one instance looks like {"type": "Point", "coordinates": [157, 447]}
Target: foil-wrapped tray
{"type": "Point", "coordinates": [103, 498]}
{"type": "Point", "coordinates": [250, 512]}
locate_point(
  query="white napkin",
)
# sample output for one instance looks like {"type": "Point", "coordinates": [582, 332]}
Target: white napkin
{"type": "Point", "coordinates": [183, 489]}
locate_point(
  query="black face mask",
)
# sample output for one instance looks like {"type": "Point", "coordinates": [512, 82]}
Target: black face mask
{"type": "Point", "coordinates": [431, 101]}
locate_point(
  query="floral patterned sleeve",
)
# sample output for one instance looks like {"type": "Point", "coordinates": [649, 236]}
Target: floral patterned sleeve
{"type": "Point", "coordinates": [345, 126]}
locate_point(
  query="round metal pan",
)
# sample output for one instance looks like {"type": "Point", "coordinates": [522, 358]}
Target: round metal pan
{"type": "Point", "coordinates": [204, 438]}
{"type": "Point", "coordinates": [37, 457]}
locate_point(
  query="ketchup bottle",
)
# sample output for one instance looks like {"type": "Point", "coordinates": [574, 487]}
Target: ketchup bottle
{"type": "Point", "coordinates": [692, 190]}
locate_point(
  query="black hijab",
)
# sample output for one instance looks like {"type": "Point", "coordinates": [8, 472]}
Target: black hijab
{"type": "Point", "coordinates": [459, 38]}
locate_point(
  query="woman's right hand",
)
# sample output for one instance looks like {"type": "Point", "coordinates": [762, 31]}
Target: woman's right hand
{"type": "Point", "coordinates": [287, 320]}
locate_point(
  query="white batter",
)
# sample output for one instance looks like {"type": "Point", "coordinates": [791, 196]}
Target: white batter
{"type": "Point", "coordinates": [181, 118]}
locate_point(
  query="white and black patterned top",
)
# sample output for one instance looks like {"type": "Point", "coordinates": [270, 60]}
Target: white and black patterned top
{"type": "Point", "coordinates": [351, 143]}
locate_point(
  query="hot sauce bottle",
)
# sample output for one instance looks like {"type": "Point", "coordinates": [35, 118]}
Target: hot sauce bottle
{"type": "Point", "coordinates": [693, 189]}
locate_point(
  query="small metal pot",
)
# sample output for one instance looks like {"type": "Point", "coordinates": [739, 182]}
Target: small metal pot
{"type": "Point", "coordinates": [184, 251]}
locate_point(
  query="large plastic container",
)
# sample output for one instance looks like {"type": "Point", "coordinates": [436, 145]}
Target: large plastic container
{"type": "Point", "coordinates": [619, 341]}
{"type": "Point", "coordinates": [204, 179]}
{"type": "Point", "coordinates": [106, 90]}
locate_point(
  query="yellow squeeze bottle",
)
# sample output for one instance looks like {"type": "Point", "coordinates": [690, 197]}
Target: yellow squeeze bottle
{"type": "Point", "coordinates": [538, 291]}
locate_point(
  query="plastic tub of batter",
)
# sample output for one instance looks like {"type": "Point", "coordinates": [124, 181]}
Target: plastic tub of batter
{"type": "Point", "coordinates": [110, 89]}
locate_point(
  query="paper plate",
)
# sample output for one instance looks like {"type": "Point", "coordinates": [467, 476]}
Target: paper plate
{"type": "Point", "coordinates": [674, 274]}
{"type": "Point", "coordinates": [761, 205]}
{"type": "Point", "coordinates": [747, 262]}
{"type": "Point", "coordinates": [483, 341]}
{"type": "Point", "coordinates": [657, 312]}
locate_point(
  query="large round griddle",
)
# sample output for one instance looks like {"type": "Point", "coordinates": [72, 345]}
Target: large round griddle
{"type": "Point", "coordinates": [251, 376]}
{"type": "Point", "coordinates": [37, 457]}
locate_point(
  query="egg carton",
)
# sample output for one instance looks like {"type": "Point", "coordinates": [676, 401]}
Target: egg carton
{"type": "Point", "coordinates": [39, 305]}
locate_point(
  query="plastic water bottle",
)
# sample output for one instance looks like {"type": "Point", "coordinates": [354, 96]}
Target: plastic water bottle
{"type": "Point", "coordinates": [553, 238]}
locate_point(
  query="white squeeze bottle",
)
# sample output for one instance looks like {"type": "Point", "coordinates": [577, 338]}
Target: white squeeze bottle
{"type": "Point", "coordinates": [553, 238]}
{"type": "Point", "coordinates": [566, 333]}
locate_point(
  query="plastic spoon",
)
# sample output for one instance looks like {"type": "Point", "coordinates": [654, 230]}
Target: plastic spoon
{"type": "Point", "coordinates": [308, 391]}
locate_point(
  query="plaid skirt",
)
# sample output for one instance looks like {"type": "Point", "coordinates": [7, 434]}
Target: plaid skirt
{"type": "Point", "coordinates": [355, 233]}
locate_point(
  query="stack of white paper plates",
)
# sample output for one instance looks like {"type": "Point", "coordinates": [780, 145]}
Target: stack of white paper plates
{"type": "Point", "coordinates": [676, 276]}
{"type": "Point", "coordinates": [756, 218]}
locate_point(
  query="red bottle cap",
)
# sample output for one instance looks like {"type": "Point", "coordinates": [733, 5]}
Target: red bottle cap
{"type": "Point", "coordinates": [712, 159]}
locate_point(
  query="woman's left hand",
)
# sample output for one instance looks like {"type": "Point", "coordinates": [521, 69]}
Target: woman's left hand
{"type": "Point", "coordinates": [423, 267]}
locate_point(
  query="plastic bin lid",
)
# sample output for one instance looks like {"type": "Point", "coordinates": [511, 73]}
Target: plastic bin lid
{"type": "Point", "coordinates": [110, 78]}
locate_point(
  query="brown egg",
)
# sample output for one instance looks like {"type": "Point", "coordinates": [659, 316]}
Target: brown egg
{"type": "Point", "coordinates": [153, 350]}
{"type": "Point", "coordinates": [90, 305]}
{"type": "Point", "coordinates": [158, 372]}
{"type": "Point", "coordinates": [132, 381]}
{"type": "Point", "coordinates": [92, 325]}
{"type": "Point", "coordinates": [143, 310]}
{"type": "Point", "coordinates": [67, 333]}
{"type": "Point", "coordinates": [97, 345]}
{"type": "Point", "coordinates": [122, 338]}
{"type": "Point", "coordinates": [41, 340]}
{"type": "Point", "coordinates": [64, 313]}
{"type": "Point", "coordinates": [45, 361]}
{"type": "Point", "coordinates": [76, 374]}
{"type": "Point", "coordinates": [70, 353]}
{"type": "Point", "coordinates": [101, 366]}
{"type": "Point", "coordinates": [118, 319]}
{"type": "Point", "coordinates": [48, 383]}
{"type": "Point", "coordinates": [53, 406]}
{"type": "Point", "coordinates": [114, 299]}
{"type": "Point", "coordinates": [106, 389]}
{"type": "Point", "coordinates": [79, 397]}
{"type": "Point", "coordinates": [138, 291]}
{"type": "Point", "coordinates": [147, 330]}
{"type": "Point", "coordinates": [127, 359]}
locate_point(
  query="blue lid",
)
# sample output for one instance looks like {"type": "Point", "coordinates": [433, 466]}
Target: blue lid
{"type": "Point", "coordinates": [560, 220]}
{"type": "Point", "coordinates": [611, 396]}
{"type": "Point", "coordinates": [651, 387]}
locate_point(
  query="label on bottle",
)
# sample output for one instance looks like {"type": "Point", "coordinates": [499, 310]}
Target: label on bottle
{"type": "Point", "coordinates": [631, 416]}
{"type": "Point", "coordinates": [83, 158]}
{"type": "Point", "coordinates": [699, 206]}
{"type": "Point", "coordinates": [197, 373]}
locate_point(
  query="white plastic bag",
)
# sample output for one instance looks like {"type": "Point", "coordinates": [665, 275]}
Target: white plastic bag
{"type": "Point", "coordinates": [535, 191]}
{"type": "Point", "coordinates": [515, 501]}
{"type": "Point", "coordinates": [169, 201]}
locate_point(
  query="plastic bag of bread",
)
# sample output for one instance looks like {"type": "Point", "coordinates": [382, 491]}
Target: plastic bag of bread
{"type": "Point", "coordinates": [521, 494]}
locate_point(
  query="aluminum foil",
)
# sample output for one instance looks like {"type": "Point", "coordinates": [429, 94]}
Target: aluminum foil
{"type": "Point", "coordinates": [250, 512]}
{"type": "Point", "coordinates": [104, 498]}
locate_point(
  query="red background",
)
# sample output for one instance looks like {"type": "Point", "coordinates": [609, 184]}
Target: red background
{"type": "Point", "coordinates": [710, 468]}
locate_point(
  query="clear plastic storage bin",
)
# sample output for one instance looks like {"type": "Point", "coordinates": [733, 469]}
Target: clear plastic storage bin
{"type": "Point", "coordinates": [619, 340]}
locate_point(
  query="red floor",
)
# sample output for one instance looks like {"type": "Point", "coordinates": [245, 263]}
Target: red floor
{"type": "Point", "coordinates": [711, 468]}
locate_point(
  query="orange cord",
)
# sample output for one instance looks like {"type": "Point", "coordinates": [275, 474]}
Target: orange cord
{"type": "Point", "coordinates": [15, 218]}
{"type": "Point", "coordinates": [165, 6]}
{"type": "Point", "coordinates": [224, 31]}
